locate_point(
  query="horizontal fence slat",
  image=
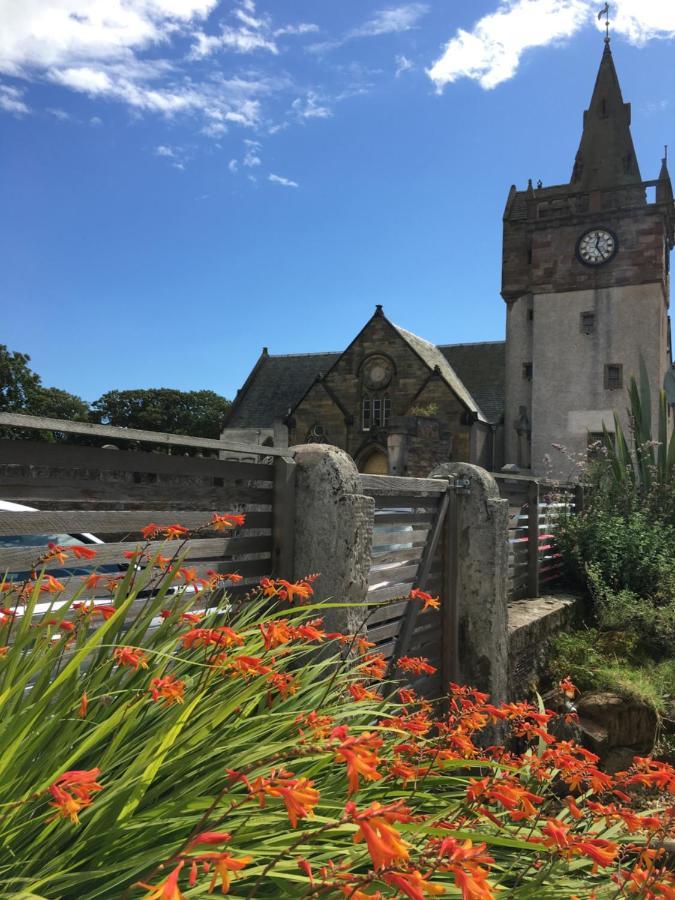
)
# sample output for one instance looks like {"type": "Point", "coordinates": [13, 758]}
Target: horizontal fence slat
{"type": "Point", "coordinates": [71, 456]}
{"type": "Point", "coordinates": [112, 521]}
{"type": "Point", "coordinates": [63, 426]}
{"type": "Point", "coordinates": [393, 575]}
{"type": "Point", "coordinates": [416, 519]}
{"type": "Point", "coordinates": [389, 592]}
{"type": "Point", "coordinates": [382, 540]}
{"type": "Point", "coordinates": [393, 485]}
{"type": "Point", "coordinates": [406, 554]}
{"type": "Point", "coordinates": [33, 491]}
{"type": "Point", "coordinates": [386, 612]}
{"type": "Point", "coordinates": [24, 558]}
{"type": "Point", "coordinates": [407, 501]}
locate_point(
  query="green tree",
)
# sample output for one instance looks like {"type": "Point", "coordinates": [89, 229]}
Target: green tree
{"type": "Point", "coordinates": [197, 413]}
{"type": "Point", "coordinates": [22, 391]}
{"type": "Point", "coordinates": [18, 382]}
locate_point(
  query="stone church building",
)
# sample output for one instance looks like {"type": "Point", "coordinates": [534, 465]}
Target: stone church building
{"type": "Point", "coordinates": [585, 278]}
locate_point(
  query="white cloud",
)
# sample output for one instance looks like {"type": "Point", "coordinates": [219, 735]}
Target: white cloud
{"type": "Point", "coordinates": [59, 114]}
{"type": "Point", "coordinates": [285, 182]}
{"type": "Point", "coordinates": [11, 100]}
{"type": "Point", "coordinates": [163, 150]}
{"type": "Point", "coordinates": [391, 20]}
{"type": "Point", "coordinates": [96, 121]}
{"type": "Point", "coordinates": [403, 64]}
{"type": "Point", "coordinates": [301, 28]}
{"type": "Point", "coordinates": [47, 33]}
{"type": "Point", "coordinates": [491, 52]}
{"type": "Point", "coordinates": [310, 107]}
{"type": "Point", "coordinates": [233, 166]}
{"type": "Point", "coordinates": [251, 158]}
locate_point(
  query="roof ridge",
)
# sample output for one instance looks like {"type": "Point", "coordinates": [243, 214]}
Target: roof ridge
{"type": "Point", "coordinates": [470, 344]}
{"type": "Point", "coordinates": [296, 355]}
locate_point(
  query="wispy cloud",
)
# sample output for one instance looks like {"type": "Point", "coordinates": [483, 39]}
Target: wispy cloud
{"type": "Point", "coordinates": [249, 33]}
{"type": "Point", "coordinates": [391, 20]}
{"type": "Point", "coordinates": [490, 53]}
{"type": "Point", "coordinates": [403, 64]}
{"type": "Point", "coordinates": [310, 107]}
{"type": "Point", "coordinates": [11, 100]}
{"type": "Point", "coordinates": [251, 156]}
{"type": "Point", "coordinates": [284, 182]}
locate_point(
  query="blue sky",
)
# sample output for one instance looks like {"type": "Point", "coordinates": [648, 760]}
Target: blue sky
{"type": "Point", "coordinates": [185, 181]}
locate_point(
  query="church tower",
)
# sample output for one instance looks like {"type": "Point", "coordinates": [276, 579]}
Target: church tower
{"type": "Point", "coordinates": [585, 279]}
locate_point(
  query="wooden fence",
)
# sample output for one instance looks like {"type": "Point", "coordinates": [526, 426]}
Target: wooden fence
{"type": "Point", "coordinates": [114, 493]}
{"type": "Point", "coordinates": [535, 508]}
{"type": "Point", "coordinates": [413, 546]}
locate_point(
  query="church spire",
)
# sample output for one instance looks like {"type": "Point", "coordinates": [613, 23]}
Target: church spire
{"type": "Point", "coordinates": [606, 155]}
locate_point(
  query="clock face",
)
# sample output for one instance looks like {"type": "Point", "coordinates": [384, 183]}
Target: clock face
{"type": "Point", "coordinates": [597, 246]}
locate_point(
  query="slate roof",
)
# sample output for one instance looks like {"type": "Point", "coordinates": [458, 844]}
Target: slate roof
{"type": "Point", "coordinates": [434, 358]}
{"type": "Point", "coordinates": [274, 386]}
{"type": "Point", "coordinates": [474, 371]}
{"type": "Point", "coordinates": [481, 367]}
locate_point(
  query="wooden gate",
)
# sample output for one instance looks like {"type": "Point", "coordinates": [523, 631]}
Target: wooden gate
{"type": "Point", "coordinates": [414, 545]}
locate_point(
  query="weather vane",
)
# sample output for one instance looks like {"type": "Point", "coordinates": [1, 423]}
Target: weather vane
{"type": "Point", "coordinates": [605, 12]}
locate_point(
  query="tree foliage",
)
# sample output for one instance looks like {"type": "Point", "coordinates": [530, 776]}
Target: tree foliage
{"type": "Point", "coordinates": [197, 413]}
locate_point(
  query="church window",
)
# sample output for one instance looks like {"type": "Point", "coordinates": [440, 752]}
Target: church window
{"type": "Point", "coordinates": [527, 371]}
{"type": "Point", "coordinates": [587, 324]}
{"type": "Point", "coordinates": [613, 376]}
{"type": "Point", "coordinates": [376, 412]}
{"type": "Point", "coordinates": [530, 315]}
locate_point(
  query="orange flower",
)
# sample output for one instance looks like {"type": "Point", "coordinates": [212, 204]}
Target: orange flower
{"type": "Point", "coordinates": [274, 634]}
{"type": "Point", "coordinates": [91, 581]}
{"type": "Point", "coordinates": [574, 810]}
{"type": "Point", "coordinates": [210, 838]}
{"type": "Point", "coordinates": [82, 552]}
{"type": "Point", "coordinates": [169, 689]}
{"type": "Point", "coordinates": [288, 590]}
{"type": "Point", "coordinates": [567, 688]}
{"type": "Point", "coordinates": [89, 610]}
{"type": "Point", "coordinates": [51, 585]}
{"type": "Point", "coordinates": [299, 797]}
{"type": "Point", "coordinates": [373, 666]}
{"type": "Point", "coordinates": [84, 703]}
{"type": "Point", "coordinates": [298, 794]}
{"type": "Point", "coordinates": [218, 637]}
{"type": "Point", "coordinates": [228, 576]}
{"type": "Point", "coordinates": [385, 844]}
{"type": "Point", "coordinates": [55, 552]}
{"type": "Point", "coordinates": [283, 683]}
{"type": "Point", "coordinates": [247, 666]}
{"type": "Point", "coordinates": [150, 531]}
{"type": "Point", "coordinates": [223, 866]}
{"type": "Point", "coordinates": [413, 884]}
{"type": "Point", "coordinates": [429, 601]}
{"type": "Point", "coordinates": [415, 665]}
{"type": "Point", "coordinates": [360, 755]}
{"type": "Point", "coordinates": [602, 852]}
{"type": "Point", "coordinates": [167, 889]}
{"type": "Point", "coordinates": [221, 522]}
{"type": "Point", "coordinates": [514, 798]}
{"type": "Point", "coordinates": [130, 656]}
{"type": "Point", "coordinates": [359, 692]}
{"type": "Point", "coordinates": [72, 792]}
{"type": "Point", "coordinates": [174, 532]}
{"type": "Point", "coordinates": [189, 576]}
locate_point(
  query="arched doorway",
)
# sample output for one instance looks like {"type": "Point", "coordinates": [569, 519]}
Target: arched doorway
{"type": "Point", "coordinates": [374, 462]}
